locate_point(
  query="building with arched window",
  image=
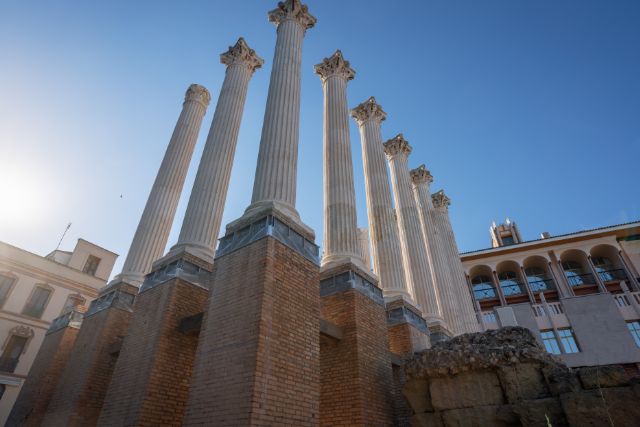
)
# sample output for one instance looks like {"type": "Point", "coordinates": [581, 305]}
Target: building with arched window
{"type": "Point", "coordinates": [34, 290]}
{"type": "Point", "coordinates": [578, 292]}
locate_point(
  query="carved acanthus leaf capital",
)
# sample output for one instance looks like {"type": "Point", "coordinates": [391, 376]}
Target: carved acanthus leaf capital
{"type": "Point", "coordinates": [292, 10]}
{"type": "Point", "coordinates": [368, 110]}
{"type": "Point", "coordinates": [241, 53]}
{"type": "Point", "coordinates": [335, 65]}
{"type": "Point", "coordinates": [421, 175]}
{"type": "Point", "coordinates": [397, 145]}
{"type": "Point", "coordinates": [440, 200]}
{"type": "Point", "coordinates": [198, 93]}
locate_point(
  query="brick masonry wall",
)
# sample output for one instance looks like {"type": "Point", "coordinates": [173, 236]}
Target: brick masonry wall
{"type": "Point", "coordinates": [39, 386]}
{"type": "Point", "coordinates": [356, 376]}
{"type": "Point", "coordinates": [152, 376]}
{"type": "Point", "coordinates": [405, 339]}
{"type": "Point", "coordinates": [258, 358]}
{"type": "Point", "coordinates": [79, 396]}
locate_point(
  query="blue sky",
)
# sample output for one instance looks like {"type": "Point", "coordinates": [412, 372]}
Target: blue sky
{"type": "Point", "coordinates": [526, 109]}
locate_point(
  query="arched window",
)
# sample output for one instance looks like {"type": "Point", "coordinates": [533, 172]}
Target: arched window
{"type": "Point", "coordinates": [537, 279]}
{"type": "Point", "coordinates": [574, 272]}
{"type": "Point", "coordinates": [604, 268]}
{"type": "Point", "coordinates": [509, 283]}
{"type": "Point", "coordinates": [483, 287]}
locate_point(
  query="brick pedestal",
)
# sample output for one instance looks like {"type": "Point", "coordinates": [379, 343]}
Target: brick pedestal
{"type": "Point", "coordinates": [153, 373]}
{"type": "Point", "coordinates": [45, 372]}
{"type": "Point", "coordinates": [80, 392]}
{"type": "Point", "coordinates": [355, 371]}
{"type": "Point", "coordinates": [257, 361]}
{"type": "Point", "coordinates": [408, 334]}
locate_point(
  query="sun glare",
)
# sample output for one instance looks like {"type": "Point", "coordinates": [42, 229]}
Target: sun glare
{"type": "Point", "coordinates": [21, 198]}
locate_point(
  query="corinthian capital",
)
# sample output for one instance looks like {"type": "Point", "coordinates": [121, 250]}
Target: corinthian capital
{"type": "Point", "coordinates": [397, 145]}
{"type": "Point", "coordinates": [242, 54]}
{"type": "Point", "coordinates": [421, 175]}
{"type": "Point", "coordinates": [335, 65]}
{"type": "Point", "coordinates": [368, 110]}
{"type": "Point", "coordinates": [197, 93]}
{"type": "Point", "coordinates": [292, 10]}
{"type": "Point", "coordinates": [440, 200]}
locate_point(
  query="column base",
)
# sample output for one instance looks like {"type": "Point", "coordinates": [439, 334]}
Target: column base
{"type": "Point", "coordinates": [408, 331]}
{"type": "Point", "coordinates": [359, 361]}
{"type": "Point", "coordinates": [79, 395]}
{"type": "Point", "coordinates": [284, 212]}
{"type": "Point", "coordinates": [156, 356]}
{"type": "Point", "coordinates": [38, 388]}
{"type": "Point", "coordinates": [257, 361]}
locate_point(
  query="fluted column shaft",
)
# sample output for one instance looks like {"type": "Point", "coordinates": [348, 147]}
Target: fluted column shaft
{"type": "Point", "coordinates": [203, 217]}
{"type": "Point", "coordinates": [414, 253]}
{"type": "Point", "coordinates": [383, 229]}
{"type": "Point", "coordinates": [153, 229]}
{"type": "Point", "coordinates": [446, 241]}
{"type": "Point", "coordinates": [276, 170]}
{"type": "Point", "coordinates": [440, 271]}
{"type": "Point", "coordinates": [340, 222]}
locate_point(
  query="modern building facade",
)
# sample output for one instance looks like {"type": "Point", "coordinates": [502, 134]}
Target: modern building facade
{"type": "Point", "coordinates": [34, 290]}
{"type": "Point", "coordinates": [577, 292]}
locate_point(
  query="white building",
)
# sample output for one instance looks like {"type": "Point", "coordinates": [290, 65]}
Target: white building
{"type": "Point", "coordinates": [34, 290]}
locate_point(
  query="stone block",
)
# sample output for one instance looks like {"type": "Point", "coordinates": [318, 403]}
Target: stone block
{"type": "Point", "coordinates": [602, 376]}
{"type": "Point", "coordinates": [417, 393]}
{"type": "Point", "coordinates": [560, 379]}
{"type": "Point", "coordinates": [617, 406]}
{"type": "Point", "coordinates": [540, 413]}
{"type": "Point", "coordinates": [523, 382]}
{"type": "Point", "coordinates": [481, 416]}
{"type": "Point", "coordinates": [466, 390]}
{"type": "Point", "coordinates": [429, 419]}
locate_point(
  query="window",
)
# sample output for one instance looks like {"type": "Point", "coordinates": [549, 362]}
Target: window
{"type": "Point", "coordinates": [509, 283]}
{"type": "Point", "coordinates": [574, 273]}
{"type": "Point", "coordinates": [550, 342]}
{"type": "Point", "coordinates": [73, 302]}
{"type": "Point", "coordinates": [489, 317]}
{"type": "Point", "coordinates": [537, 279]}
{"type": "Point", "coordinates": [568, 340]}
{"type": "Point", "coordinates": [507, 240]}
{"type": "Point", "coordinates": [12, 351]}
{"type": "Point", "coordinates": [37, 302]}
{"type": "Point", "coordinates": [634, 328]}
{"type": "Point", "coordinates": [6, 283]}
{"type": "Point", "coordinates": [483, 287]}
{"type": "Point", "coordinates": [91, 265]}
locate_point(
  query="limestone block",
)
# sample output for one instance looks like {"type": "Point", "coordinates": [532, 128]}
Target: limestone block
{"type": "Point", "coordinates": [417, 393]}
{"type": "Point", "coordinates": [522, 382]}
{"type": "Point", "coordinates": [540, 413]}
{"type": "Point", "coordinates": [482, 416]}
{"type": "Point", "coordinates": [604, 407]}
{"type": "Point", "coordinates": [560, 379]}
{"type": "Point", "coordinates": [428, 419]}
{"type": "Point", "coordinates": [602, 376]}
{"type": "Point", "coordinates": [466, 390]}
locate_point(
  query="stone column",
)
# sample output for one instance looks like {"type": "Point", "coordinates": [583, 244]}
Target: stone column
{"type": "Point", "coordinates": [206, 205]}
{"type": "Point", "coordinates": [275, 180]}
{"type": "Point", "coordinates": [340, 222]}
{"type": "Point", "coordinates": [363, 244]}
{"type": "Point", "coordinates": [447, 244]}
{"type": "Point", "coordinates": [440, 271]}
{"type": "Point", "coordinates": [414, 253]}
{"type": "Point", "coordinates": [153, 230]}
{"type": "Point", "coordinates": [385, 241]}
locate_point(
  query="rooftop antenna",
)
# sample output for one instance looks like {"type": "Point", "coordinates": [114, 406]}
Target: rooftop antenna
{"type": "Point", "coordinates": [63, 234]}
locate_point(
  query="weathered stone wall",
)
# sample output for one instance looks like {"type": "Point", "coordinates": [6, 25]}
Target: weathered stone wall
{"type": "Point", "coordinates": [504, 378]}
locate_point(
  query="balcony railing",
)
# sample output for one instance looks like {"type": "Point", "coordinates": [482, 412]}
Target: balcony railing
{"type": "Point", "coordinates": [555, 309]}
{"type": "Point", "coordinates": [623, 300]}
{"type": "Point", "coordinates": [581, 279]}
{"type": "Point", "coordinates": [511, 288]}
{"type": "Point", "coordinates": [612, 275]}
{"type": "Point", "coordinates": [480, 294]}
{"type": "Point", "coordinates": [541, 285]}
